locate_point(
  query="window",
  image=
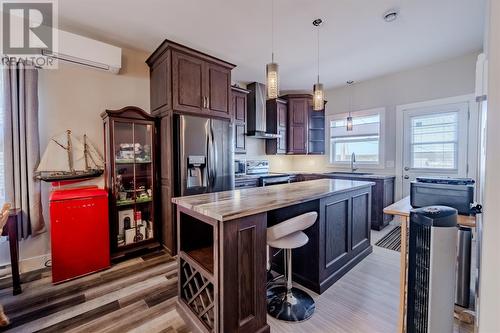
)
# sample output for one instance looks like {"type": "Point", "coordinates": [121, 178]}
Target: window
{"type": "Point", "coordinates": [434, 141]}
{"type": "Point", "coordinates": [364, 140]}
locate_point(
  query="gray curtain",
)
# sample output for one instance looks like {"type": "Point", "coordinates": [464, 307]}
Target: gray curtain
{"type": "Point", "coordinates": [21, 146]}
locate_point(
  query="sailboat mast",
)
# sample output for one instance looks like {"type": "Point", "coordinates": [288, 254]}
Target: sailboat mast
{"type": "Point", "coordinates": [70, 152]}
{"type": "Point", "coordinates": [85, 152]}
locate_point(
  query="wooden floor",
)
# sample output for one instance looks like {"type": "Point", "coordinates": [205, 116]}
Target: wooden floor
{"type": "Point", "coordinates": [139, 295]}
{"type": "Point", "coordinates": [134, 296]}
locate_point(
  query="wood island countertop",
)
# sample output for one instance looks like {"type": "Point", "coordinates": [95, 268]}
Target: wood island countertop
{"type": "Point", "coordinates": [229, 205]}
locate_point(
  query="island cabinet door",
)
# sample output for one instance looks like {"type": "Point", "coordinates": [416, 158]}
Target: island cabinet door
{"type": "Point", "coordinates": [360, 221]}
{"type": "Point", "coordinates": [335, 231]}
{"type": "Point", "coordinates": [243, 277]}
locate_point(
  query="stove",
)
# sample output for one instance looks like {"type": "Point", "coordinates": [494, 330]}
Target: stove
{"type": "Point", "coordinates": [260, 169]}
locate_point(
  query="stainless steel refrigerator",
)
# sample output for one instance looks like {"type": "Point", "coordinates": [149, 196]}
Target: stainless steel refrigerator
{"type": "Point", "coordinates": [203, 155]}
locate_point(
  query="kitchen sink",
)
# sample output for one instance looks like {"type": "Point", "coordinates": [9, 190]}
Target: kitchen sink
{"type": "Point", "coordinates": [345, 173]}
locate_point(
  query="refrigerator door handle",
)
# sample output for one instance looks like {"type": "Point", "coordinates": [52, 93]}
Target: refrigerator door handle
{"type": "Point", "coordinates": [210, 157]}
{"type": "Point", "coordinates": [214, 155]}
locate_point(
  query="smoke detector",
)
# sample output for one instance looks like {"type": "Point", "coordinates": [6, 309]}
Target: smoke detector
{"type": "Point", "coordinates": [391, 15]}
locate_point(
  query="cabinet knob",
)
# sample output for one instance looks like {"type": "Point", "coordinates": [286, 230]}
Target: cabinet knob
{"type": "Point", "coordinates": [406, 177]}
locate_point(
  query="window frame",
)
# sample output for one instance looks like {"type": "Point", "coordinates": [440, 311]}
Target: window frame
{"type": "Point", "coordinates": [381, 145]}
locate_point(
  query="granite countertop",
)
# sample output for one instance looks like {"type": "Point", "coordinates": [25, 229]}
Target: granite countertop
{"type": "Point", "coordinates": [229, 205]}
{"type": "Point", "coordinates": [366, 176]}
{"type": "Point", "coordinates": [340, 174]}
{"type": "Point", "coordinates": [360, 175]}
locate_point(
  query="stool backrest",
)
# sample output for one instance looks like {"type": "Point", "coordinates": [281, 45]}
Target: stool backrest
{"type": "Point", "coordinates": [287, 227]}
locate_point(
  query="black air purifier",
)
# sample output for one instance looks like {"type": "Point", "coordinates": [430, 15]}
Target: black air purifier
{"type": "Point", "coordinates": [431, 269]}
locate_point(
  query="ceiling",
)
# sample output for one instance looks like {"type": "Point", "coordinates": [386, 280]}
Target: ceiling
{"type": "Point", "coordinates": [356, 43]}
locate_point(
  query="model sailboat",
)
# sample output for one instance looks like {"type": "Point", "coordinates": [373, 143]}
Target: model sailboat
{"type": "Point", "coordinates": [67, 158]}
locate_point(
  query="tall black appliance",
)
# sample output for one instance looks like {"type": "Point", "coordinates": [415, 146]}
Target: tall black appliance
{"type": "Point", "coordinates": [203, 155]}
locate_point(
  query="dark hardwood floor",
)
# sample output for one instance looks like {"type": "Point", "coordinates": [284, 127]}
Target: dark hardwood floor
{"type": "Point", "coordinates": [139, 296]}
{"type": "Point", "coordinates": [134, 296]}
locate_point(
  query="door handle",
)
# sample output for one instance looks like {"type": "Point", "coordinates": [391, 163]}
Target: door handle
{"type": "Point", "coordinates": [203, 102]}
{"type": "Point", "coordinates": [406, 177]}
{"type": "Point", "coordinates": [208, 103]}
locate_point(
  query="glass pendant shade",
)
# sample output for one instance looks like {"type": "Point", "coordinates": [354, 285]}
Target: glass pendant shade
{"type": "Point", "coordinates": [272, 79]}
{"type": "Point", "coordinates": [318, 97]}
{"type": "Point", "coordinates": [349, 124]}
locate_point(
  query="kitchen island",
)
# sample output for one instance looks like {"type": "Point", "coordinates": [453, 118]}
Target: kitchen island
{"type": "Point", "coordinates": [222, 247]}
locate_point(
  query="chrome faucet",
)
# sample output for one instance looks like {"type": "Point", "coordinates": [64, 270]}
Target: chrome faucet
{"type": "Point", "coordinates": [353, 160]}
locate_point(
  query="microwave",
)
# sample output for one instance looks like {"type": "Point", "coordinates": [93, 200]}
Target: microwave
{"type": "Point", "coordinates": [240, 167]}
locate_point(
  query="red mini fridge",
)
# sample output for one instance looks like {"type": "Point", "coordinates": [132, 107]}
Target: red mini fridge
{"type": "Point", "coordinates": [79, 232]}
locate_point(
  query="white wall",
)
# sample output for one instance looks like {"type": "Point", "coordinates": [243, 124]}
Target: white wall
{"type": "Point", "coordinates": [445, 79]}
{"type": "Point", "coordinates": [73, 97]}
{"type": "Point", "coordinates": [489, 302]}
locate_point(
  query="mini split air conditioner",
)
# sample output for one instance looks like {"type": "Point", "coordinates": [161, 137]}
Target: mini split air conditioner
{"type": "Point", "coordinates": [86, 52]}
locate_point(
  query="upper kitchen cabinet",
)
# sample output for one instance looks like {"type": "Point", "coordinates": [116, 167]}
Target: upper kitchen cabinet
{"type": "Point", "coordinates": [184, 80]}
{"type": "Point", "coordinates": [316, 134]}
{"type": "Point", "coordinates": [276, 121]}
{"type": "Point", "coordinates": [187, 83]}
{"type": "Point", "coordinates": [298, 119]}
{"type": "Point", "coordinates": [218, 89]}
{"type": "Point", "coordinates": [239, 112]}
{"type": "Point", "coordinates": [305, 129]}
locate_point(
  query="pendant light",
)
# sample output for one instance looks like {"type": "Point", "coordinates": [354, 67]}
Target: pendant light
{"type": "Point", "coordinates": [318, 91]}
{"type": "Point", "coordinates": [349, 118]}
{"type": "Point", "coordinates": [272, 77]}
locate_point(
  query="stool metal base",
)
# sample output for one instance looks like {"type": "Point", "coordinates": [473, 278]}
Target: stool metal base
{"type": "Point", "coordinates": [295, 305]}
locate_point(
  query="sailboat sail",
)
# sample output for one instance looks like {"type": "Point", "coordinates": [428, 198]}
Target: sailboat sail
{"type": "Point", "coordinates": [55, 157]}
{"type": "Point", "coordinates": [67, 157]}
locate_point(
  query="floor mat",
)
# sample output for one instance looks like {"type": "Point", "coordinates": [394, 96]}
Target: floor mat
{"type": "Point", "coordinates": [392, 240]}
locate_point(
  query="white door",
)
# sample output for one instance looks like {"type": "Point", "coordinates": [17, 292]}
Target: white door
{"type": "Point", "coordinates": [435, 142]}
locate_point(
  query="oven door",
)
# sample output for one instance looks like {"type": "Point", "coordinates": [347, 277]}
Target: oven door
{"type": "Point", "coordinates": [274, 180]}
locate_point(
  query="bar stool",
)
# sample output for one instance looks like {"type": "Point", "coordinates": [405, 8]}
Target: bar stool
{"type": "Point", "coordinates": [286, 302]}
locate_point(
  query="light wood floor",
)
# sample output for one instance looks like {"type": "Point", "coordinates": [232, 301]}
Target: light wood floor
{"type": "Point", "coordinates": [366, 299]}
{"type": "Point", "coordinates": [139, 295]}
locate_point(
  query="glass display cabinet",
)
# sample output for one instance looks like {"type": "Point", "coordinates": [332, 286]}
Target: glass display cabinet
{"type": "Point", "coordinates": [130, 135]}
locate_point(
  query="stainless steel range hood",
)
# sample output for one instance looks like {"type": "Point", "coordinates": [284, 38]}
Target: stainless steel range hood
{"type": "Point", "coordinates": [256, 112]}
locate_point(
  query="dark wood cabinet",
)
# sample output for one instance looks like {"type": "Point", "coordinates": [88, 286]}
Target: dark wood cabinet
{"type": "Point", "coordinates": [382, 196]}
{"type": "Point", "coordinates": [218, 91]}
{"type": "Point", "coordinates": [303, 127]}
{"type": "Point", "coordinates": [276, 121]}
{"type": "Point", "coordinates": [298, 112]}
{"type": "Point", "coordinates": [345, 228]}
{"type": "Point", "coordinates": [316, 134]}
{"type": "Point", "coordinates": [239, 112]}
{"type": "Point", "coordinates": [337, 241]}
{"type": "Point", "coordinates": [131, 179]}
{"type": "Point", "coordinates": [184, 81]}
{"type": "Point", "coordinates": [188, 83]}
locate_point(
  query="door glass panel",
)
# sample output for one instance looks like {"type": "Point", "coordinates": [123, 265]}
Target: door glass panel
{"type": "Point", "coordinates": [434, 141]}
{"type": "Point", "coordinates": [144, 181]}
